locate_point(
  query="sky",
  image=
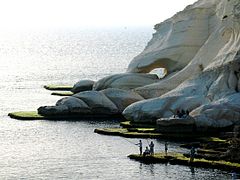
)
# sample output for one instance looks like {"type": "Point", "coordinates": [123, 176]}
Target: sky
{"type": "Point", "coordinates": [96, 13]}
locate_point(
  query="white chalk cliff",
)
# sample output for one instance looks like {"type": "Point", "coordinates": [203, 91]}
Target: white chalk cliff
{"type": "Point", "coordinates": [199, 48]}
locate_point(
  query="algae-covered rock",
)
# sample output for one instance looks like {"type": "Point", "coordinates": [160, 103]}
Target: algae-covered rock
{"type": "Point", "coordinates": [26, 115]}
{"type": "Point", "coordinates": [64, 93]}
{"type": "Point", "coordinates": [129, 133]}
{"type": "Point", "coordinates": [82, 85]}
{"type": "Point", "coordinates": [58, 87]}
{"type": "Point", "coordinates": [180, 159]}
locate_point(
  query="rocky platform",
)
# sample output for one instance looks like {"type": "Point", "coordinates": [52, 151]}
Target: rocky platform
{"type": "Point", "coordinates": [180, 159]}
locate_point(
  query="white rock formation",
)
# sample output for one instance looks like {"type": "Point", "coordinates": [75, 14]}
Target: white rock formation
{"type": "Point", "coordinates": [107, 102]}
{"type": "Point", "coordinates": [193, 40]}
{"type": "Point", "coordinates": [199, 48]}
{"type": "Point", "coordinates": [122, 98]}
{"type": "Point", "coordinates": [125, 81]}
{"type": "Point", "coordinates": [205, 89]}
{"type": "Point", "coordinates": [98, 102]}
{"type": "Point", "coordinates": [176, 125]}
{"type": "Point", "coordinates": [201, 45]}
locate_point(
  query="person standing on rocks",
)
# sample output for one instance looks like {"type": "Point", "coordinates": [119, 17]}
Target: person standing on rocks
{"type": "Point", "coordinates": [140, 146]}
{"type": "Point", "coordinates": [166, 147]}
{"type": "Point", "coordinates": [192, 154]}
{"type": "Point", "coordinates": [151, 146]}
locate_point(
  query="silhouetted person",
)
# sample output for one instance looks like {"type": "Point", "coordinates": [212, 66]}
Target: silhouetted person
{"type": "Point", "coordinates": [178, 114]}
{"type": "Point", "coordinates": [183, 112]}
{"type": "Point", "coordinates": [234, 175]}
{"type": "Point", "coordinates": [166, 147]}
{"type": "Point", "coordinates": [140, 146]}
{"type": "Point", "coordinates": [151, 146]}
{"type": "Point", "coordinates": [192, 154]}
{"type": "Point", "coordinates": [146, 152]}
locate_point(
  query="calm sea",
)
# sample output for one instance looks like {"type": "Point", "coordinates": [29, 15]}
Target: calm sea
{"type": "Point", "coordinates": [70, 150]}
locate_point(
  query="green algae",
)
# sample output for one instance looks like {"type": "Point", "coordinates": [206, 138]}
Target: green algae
{"type": "Point", "coordinates": [126, 124]}
{"type": "Point", "coordinates": [26, 115]}
{"type": "Point", "coordinates": [123, 132]}
{"type": "Point", "coordinates": [129, 124]}
{"type": "Point", "coordinates": [208, 151]}
{"type": "Point", "coordinates": [213, 139]}
{"type": "Point", "coordinates": [58, 87]}
{"type": "Point", "coordinates": [33, 115]}
{"type": "Point", "coordinates": [66, 93]}
{"type": "Point", "coordinates": [142, 130]}
{"type": "Point", "coordinates": [144, 133]}
{"type": "Point", "coordinates": [141, 135]}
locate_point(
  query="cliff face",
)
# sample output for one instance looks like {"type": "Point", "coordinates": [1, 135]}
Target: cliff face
{"type": "Point", "coordinates": [200, 49]}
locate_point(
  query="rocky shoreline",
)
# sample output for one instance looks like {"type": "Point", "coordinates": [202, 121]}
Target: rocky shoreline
{"type": "Point", "coordinates": [209, 154]}
{"type": "Point", "coordinates": [198, 54]}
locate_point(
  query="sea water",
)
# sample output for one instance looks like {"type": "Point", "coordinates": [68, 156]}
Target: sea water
{"type": "Point", "coordinates": [70, 149]}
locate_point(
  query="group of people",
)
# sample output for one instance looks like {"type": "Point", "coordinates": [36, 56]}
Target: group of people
{"type": "Point", "coordinates": [149, 150]}
{"type": "Point", "coordinates": [181, 114]}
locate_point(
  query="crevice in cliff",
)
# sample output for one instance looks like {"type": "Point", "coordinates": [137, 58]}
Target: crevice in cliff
{"type": "Point", "coordinates": [237, 74]}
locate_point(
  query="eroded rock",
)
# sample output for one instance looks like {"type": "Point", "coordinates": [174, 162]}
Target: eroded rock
{"type": "Point", "coordinates": [53, 110]}
{"type": "Point", "coordinates": [98, 102]}
{"type": "Point", "coordinates": [122, 98]}
{"type": "Point", "coordinates": [82, 85]}
{"type": "Point", "coordinates": [74, 105]}
{"type": "Point", "coordinates": [199, 48]}
{"type": "Point", "coordinates": [176, 125]}
{"type": "Point", "coordinates": [125, 81]}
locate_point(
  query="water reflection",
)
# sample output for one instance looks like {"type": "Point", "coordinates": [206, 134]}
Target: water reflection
{"type": "Point", "coordinates": [192, 171]}
{"type": "Point", "coordinates": [147, 169]}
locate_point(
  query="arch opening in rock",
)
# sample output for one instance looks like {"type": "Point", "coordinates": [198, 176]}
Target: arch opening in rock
{"type": "Point", "coordinates": [146, 64]}
{"type": "Point", "coordinates": [160, 72]}
{"type": "Point", "coordinates": [161, 67]}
